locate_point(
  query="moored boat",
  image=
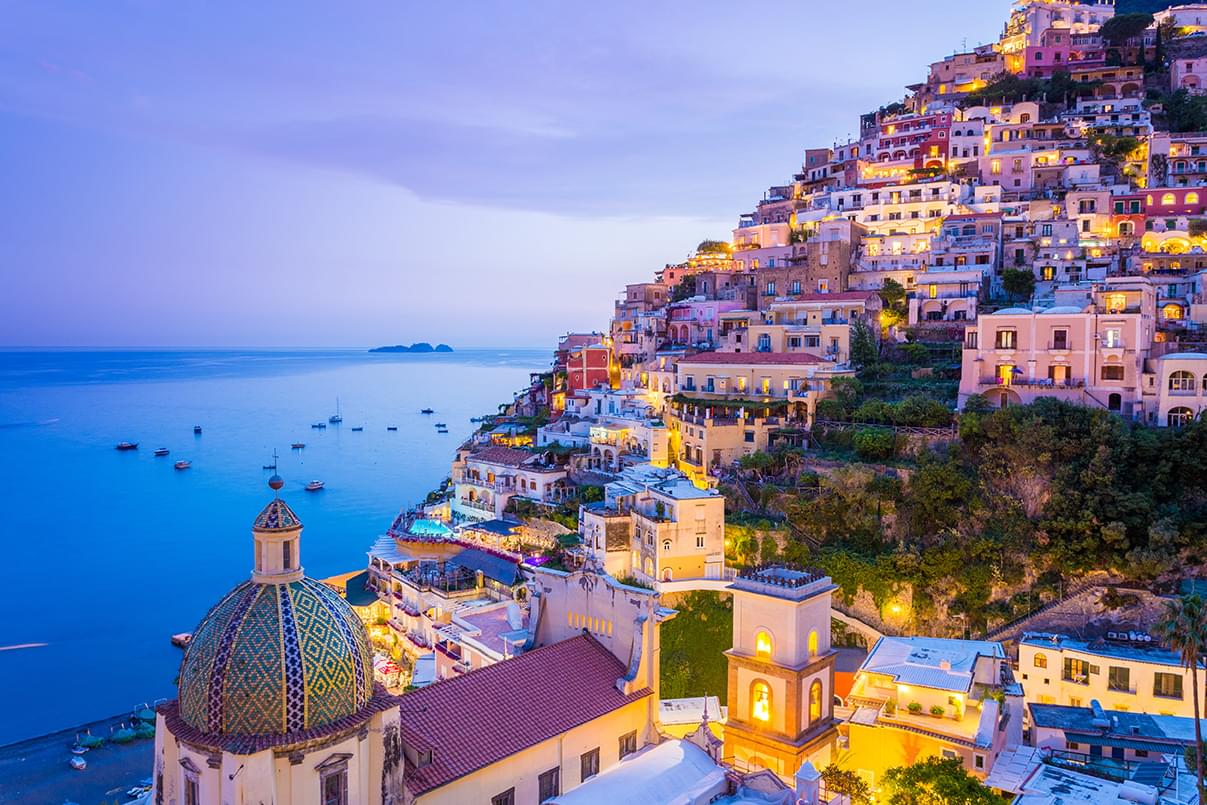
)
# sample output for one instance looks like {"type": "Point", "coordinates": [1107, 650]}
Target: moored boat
{"type": "Point", "coordinates": [315, 486]}
{"type": "Point", "coordinates": [182, 639]}
{"type": "Point", "coordinates": [183, 465]}
{"type": "Point", "coordinates": [127, 446]}
{"type": "Point", "coordinates": [441, 425]}
{"type": "Point", "coordinates": [319, 425]}
{"type": "Point", "coordinates": [358, 428]}
{"type": "Point", "coordinates": [427, 411]}
{"type": "Point", "coordinates": [298, 445]}
{"type": "Point", "coordinates": [337, 417]}
{"type": "Point", "coordinates": [161, 451]}
{"type": "Point", "coordinates": [391, 427]}
{"type": "Point", "coordinates": [197, 429]}
{"type": "Point", "coordinates": [78, 763]}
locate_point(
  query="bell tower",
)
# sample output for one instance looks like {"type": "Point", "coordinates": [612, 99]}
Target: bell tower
{"type": "Point", "coordinates": [781, 670]}
{"type": "Point", "coordinates": [277, 532]}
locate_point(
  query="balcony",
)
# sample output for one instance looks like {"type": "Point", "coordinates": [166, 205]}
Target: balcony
{"type": "Point", "coordinates": [476, 504]}
{"type": "Point", "coordinates": [1032, 382]}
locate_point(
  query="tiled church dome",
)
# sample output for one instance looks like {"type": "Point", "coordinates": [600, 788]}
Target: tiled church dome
{"type": "Point", "coordinates": [275, 659]}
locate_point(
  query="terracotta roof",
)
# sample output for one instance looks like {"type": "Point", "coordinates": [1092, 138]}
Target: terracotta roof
{"type": "Point", "coordinates": [507, 456]}
{"type": "Point", "coordinates": [490, 714]}
{"type": "Point", "coordinates": [756, 358]}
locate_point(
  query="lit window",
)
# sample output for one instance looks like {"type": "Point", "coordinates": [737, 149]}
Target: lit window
{"type": "Point", "coordinates": [815, 701]}
{"type": "Point", "coordinates": [762, 644]}
{"type": "Point", "coordinates": [1179, 417]}
{"type": "Point", "coordinates": [1168, 200]}
{"type": "Point", "coordinates": [1192, 198]}
{"type": "Point", "coordinates": [1181, 381]}
{"type": "Point", "coordinates": [1172, 312]}
{"type": "Point", "coordinates": [1041, 660]}
{"type": "Point", "coordinates": [760, 701]}
{"type": "Point", "coordinates": [813, 643]}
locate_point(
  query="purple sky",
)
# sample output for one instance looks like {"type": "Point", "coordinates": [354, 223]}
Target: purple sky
{"type": "Point", "coordinates": [479, 173]}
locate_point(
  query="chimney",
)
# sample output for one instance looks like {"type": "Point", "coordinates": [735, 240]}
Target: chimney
{"type": "Point", "coordinates": [808, 785]}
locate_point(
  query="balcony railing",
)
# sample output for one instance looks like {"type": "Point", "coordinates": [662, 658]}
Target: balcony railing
{"type": "Point", "coordinates": [1033, 382]}
{"type": "Point", "coordinates": [476, 504]}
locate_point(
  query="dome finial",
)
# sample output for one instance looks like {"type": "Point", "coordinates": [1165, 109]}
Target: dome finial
{"type": "Point", "coordinates": [276, 482]}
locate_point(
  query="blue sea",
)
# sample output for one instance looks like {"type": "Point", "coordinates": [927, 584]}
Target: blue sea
{"type": "Point", "coordinates": [105, 554]}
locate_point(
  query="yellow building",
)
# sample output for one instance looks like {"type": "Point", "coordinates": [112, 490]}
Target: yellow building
{"type": "Point", "coordinates": [730, 405]}
{"type": "Point", "coordinates": [781, 671]}
{"type": "Point", "coordinates": [920, 697]}
{"type": "Point", "coordinates": [1122, 675]}
{"type": "Point", "coordinates": [656, 525]}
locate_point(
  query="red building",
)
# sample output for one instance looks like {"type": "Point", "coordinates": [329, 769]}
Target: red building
{"type": "Point", "coordinates": [587, 368]}
{"type": "Point", "coordinates": [1175, 201]}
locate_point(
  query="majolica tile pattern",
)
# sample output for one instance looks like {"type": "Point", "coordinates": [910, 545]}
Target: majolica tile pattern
{"type": "Point", "coordinates": [275, 659]}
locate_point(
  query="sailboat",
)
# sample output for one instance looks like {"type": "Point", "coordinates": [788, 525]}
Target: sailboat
{"type": "Point", "coordinates": [336, 418]}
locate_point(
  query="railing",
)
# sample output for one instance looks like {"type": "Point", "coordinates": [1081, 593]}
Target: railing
{"type": "Point", "coordinates": [1032, 383]}
{"type": "Point", "coordinates": [476, 504]}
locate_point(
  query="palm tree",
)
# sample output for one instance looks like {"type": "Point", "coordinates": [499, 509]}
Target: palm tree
{"type": "Point", "coordinates": [1184, 629]}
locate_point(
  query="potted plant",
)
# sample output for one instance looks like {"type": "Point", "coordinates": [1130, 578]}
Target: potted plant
{"type": "Point", "coordinates": [914, 707]}
{"type": "Point", "coordinates": [937, 711]}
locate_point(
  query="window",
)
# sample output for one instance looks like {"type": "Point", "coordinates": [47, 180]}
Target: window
{"type": "Point", "coordinates": [1167, 686]}
{"type": "Point", "coordinates": [1119, 678]}
{"type": "Point", "coordinates": [549, 785]}
{"type": "Point", "coordinates": [700, 541]}
{"type": "Point", "coordinates": [1192, 198]}
{"type": "Point", "coordinates": [979, 762]}
{"type": "Point", "coordinates": [760, 701]}
{"type": "Point", "coordinates": [762, 644]}
{"type": "Point", "coordinates": [506, 798]}
{"type": "Point", "coordinates": [1076, 670]}
{"type": "Point", "coordinates": [1005, 339]}
{"type": "Point", "coordinates": [795, 287]}
{"type": "Point", "coordinates": [748, 437]}
{"type": "Point", "coordinates": [1179, 417]}
{"type": "Point", "coordinates": [192, 795]}
{"type": "Point", "coordinates": [334, 785]}
{"type": "Point", "coordinates": [1041, 660]}
{"type": "Point", "coordinates": [933, 291]}
{"type": "Point", "coordinates": [589, 764]}
{"type": "Point", "coordinates": [1060, 339]}
{"type": "Point", "coordinates": [666, 545]}
{"type": "Point", "coordinates": [764, 343]}
{"type": "Point", "coordinates": [1168, 200]}
{"type": "Point", "coordinates": [1114, 372]}
{"type": "Point", "coordinates": [1181, 381]}
{"type": "Point", "coordinates": [770, 289]}
{"type": "Point", "coordinates": [949, 754]}
{"type": "Point", "coordinates": [286, 559]}
{"type": "Point", "coordinates": [1112, 338]}
{"type": "Point", "coordinates": [627, 744]}
{"type": "Point", "coordinates": [815, 701]}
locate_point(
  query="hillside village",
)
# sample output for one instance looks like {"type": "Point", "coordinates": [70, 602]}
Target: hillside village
{"type": "Point", "coordinates": [897, 494]}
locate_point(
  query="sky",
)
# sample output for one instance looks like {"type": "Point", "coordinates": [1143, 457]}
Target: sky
{"type": "Point", "coordinates": [485, 174]}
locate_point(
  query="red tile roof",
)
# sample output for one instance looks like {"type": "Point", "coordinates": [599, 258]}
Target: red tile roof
{"type": "Point", "coordinates": [488, 715]}
{"type": "Point", "coordinates": [752, 358]}
{"type": "Point", "coordinates": [507, 456]}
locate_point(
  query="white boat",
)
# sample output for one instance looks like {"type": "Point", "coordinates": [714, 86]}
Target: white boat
{"type": "Point", "coordinates": [78, 763]}
{"type": "Point", "coordinates": [161, 451]}
{"type": "Point", "coordinates": [337, 417]}
{"type": "Point", "coordinates": [314, 486]}
{"type": "Point", "coordinates": [183, 465]}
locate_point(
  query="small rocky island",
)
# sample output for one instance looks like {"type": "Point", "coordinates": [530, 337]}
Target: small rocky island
{"type": "Point", "coordinates": [418, 346]}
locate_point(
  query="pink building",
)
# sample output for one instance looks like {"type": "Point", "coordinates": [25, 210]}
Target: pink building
{"type": "Point", "coordinates": [1094, 355]}
{"type": "Point", "coordinates": [698, 322]}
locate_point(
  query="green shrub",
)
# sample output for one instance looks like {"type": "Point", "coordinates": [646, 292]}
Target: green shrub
{"type": "Point", "coordinates": [937, 710]}
{"type": "Point", "coordinates": [874, 444]}
{"type": "Point", "coordinates": [914, 707]}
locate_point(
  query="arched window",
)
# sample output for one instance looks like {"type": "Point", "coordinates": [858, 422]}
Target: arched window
{"type": "Point", "coordinates": [1192, 197]}
{"type": "Point", "coordinates": [1126, 229]}
{"type": "Point", "coordinates": [762, 643]}
{"type": "Point", "coordinates": [666, 545]}
{"type": "Point", "coordinates": [760, 701]}
{"type": "Point", "coordinates": [813, 643]}
{"type": "Point", "coordinates": [1168, 200]}
{"type": "Point", "coordinates": [1179, 417]}
{"type": "Point", "coordinates": [1181, 381]}
{"type": "Point", "coordinates": [815, 701]}
{"type": "Point", "coordinates": [1172, 312]}
{"type": "Point", "coordinates": [1041, 660]}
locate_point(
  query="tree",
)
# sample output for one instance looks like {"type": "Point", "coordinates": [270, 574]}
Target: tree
{"type": "Point", "coordinates": [936, 782]}
{"type": "Point", "coordinates": [769, 551]}
{"type": "Point", "coordinates": [1020, 284]}
{"type": "Point", "coordinates": [874, 444]}
{"type": "Point", "coordinates": [1184, 627]}
{"type": "Point", "coordinates": [864, 351]}
{"type": "Point", "coordinates": [1122, 27]}
{"type": "Point", "coordinates": [841, 781]}
{"type": "Point", "coordinates": [713, 247]}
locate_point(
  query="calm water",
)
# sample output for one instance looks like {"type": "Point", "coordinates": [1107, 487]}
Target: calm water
{"type": "Point", "coordinates": [104, 554]}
